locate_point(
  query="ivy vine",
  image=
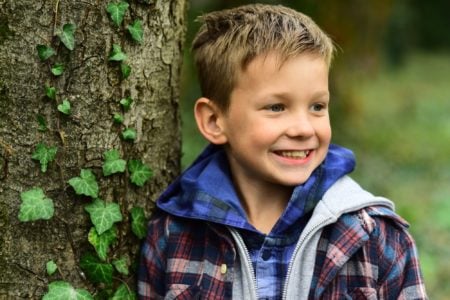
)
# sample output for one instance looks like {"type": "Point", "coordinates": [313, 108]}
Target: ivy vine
{"type": "Point", "coordinates": [99, 266]}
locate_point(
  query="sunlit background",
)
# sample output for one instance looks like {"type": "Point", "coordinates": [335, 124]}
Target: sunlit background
{"type": "Point", "coordinates": [390, 87]}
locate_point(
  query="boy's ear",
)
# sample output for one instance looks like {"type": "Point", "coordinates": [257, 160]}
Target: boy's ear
{"type": "Point", "coordinates": [209, 120]}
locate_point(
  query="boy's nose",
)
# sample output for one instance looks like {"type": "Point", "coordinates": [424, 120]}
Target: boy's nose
{"type": "Point", "coordinates": [300, 126]}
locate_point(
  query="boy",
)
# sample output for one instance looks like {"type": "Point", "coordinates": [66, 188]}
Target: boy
{"type": "Point", "coordinates": [267, 211]}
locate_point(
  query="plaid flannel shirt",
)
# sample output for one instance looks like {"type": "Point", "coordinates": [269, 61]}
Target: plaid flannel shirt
{"type": "Point", "coordinates": [367, 254]}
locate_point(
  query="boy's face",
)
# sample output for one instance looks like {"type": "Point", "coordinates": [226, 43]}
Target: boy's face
{"type": "Point", "coordinates": [277, 127]}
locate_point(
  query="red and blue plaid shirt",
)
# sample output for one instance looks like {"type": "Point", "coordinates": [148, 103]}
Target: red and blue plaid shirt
{"type": "Point", "coordinates": [367, 254]}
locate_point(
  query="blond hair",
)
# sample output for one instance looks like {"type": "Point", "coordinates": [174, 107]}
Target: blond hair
{"type": "Point", "coordinates": [228, 40]}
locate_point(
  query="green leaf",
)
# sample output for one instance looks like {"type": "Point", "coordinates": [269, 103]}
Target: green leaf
{"type": "Point", "coordinates": [51, 267]}
{"type": "Point", "coordinates": [113, 163]}
{"type": "Point", "coordinates": [129, 134]}
{"type": "Point", "coordinates": [117, 54]}
{"type": "Point", "coordinates": [67, 36]}
{"type": "Point", "coordinates": [125, 70]}
{"type": "Point", "coordinates": [103, 215]}
{"type": "Point", "coordinates": [126, 103]}
{"type": "Point", "coordinates": [118, 118]}
{"type": "Point", "coordinates": [45, 52]}
{"type": "Point", "coordinates": [50, 92]}
{"type": "Point", "coordinates": [44, 155]}
{"type": "Point", "coordinates": [102, 242]}
{"type": "Point", "coordinates": [42, 123]}
{"type": "Point", "coordinates": [95, 270]}
{"type": "Point", "coordinates": [136, 31]}
{"type": "Point", "coordinates": [138, 222]}
{"type": "Point", "coordinates": [35, 206]}
{"type": "Point", "coordinates": [57, 69]}
{"type": "Point", "coordinates": [64, 107]}
{"type": "Point", "coordinates": [86, 184]}
{"type": "Point", "coordinates": [61, 290]}
{"type": "Point", "coordinates": [117, 11]}
{"type": "Point", "coordinates": [124, 293]}
{"type": "Point", "coordinates": [140, 173]}
{"type": "Point", "coordinates": [122, 264]}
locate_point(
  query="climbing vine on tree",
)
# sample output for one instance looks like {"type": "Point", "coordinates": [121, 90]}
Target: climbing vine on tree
{"type": "Point", "coordinates": [107, 269]}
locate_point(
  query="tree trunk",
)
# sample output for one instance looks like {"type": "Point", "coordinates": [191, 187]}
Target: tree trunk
{"type": "Point", "coordinates": [94, 86]}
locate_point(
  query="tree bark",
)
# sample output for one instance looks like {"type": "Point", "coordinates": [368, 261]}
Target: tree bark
{"type": "Point", "coordinates": [94, 87]}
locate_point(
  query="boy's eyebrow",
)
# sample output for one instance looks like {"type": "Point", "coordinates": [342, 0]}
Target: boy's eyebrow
{"type": "Point", "coordinates": [322, 94]}
{"type": "Point", "coordinates": [287, 95]}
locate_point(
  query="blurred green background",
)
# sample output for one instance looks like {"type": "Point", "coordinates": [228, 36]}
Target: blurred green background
{"type": "Point", "coordinates": [390, 85]}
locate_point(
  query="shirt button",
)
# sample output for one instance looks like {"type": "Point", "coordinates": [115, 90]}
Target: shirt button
{"type": "Point", "coordinates": [266, 254]}
{"type": "Point", "coordinates": [223, 269]}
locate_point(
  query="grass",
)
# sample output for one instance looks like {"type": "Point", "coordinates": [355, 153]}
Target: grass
{"type": "Point", "coordinates": [401, 138]}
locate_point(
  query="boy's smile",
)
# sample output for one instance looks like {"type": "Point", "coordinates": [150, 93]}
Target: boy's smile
{"type": "Point", "coordinates": [277, 126]}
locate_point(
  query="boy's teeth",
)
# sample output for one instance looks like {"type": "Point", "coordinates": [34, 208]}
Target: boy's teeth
{"type": "Point", "coordinates": [295, 154]}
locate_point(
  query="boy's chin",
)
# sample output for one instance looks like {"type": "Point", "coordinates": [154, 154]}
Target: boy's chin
{"type": "Point", "coordinates": [293, 182]}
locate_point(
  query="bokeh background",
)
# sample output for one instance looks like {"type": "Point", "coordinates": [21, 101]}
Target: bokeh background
{"type": "Point", "coordinates": [390, 86]}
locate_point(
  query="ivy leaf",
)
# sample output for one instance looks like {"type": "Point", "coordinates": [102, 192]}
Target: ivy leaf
{"type": "Point", "coordinates": [102, 242]}
{"type": "Point", "coordinates": [50, 92]}
{"type": "Point", "coordinates": [122, 264]}
{"type": "Point", "coordinates": [117, 11]}
{"type": "Point", "coordinates": [103, 215]}
{"type": "Point", "coordinates": [45, 52]}
{"type": "Point", "coordinates": [42, 123]}
{"type": "Point", "coordinates": [67, 36]}
{"type": "Point", "coordinates": [44, 155]}
{"type": "Point", "coordinates": [136, 31]}
{"type": "Point", "coordinates": [35, 206]}
{"type": "Point", "coordinates": [64, 107]}
{"type": "Point", "coordinates": [86, 184]}
{"type": "Point", "coordinates": [118, 118]}
{"type": "Point", "coordinates": [124, 293]}
{"type": "Point", "coordinates": [129, 134]}
{"type": "Point", "coordinates": [126, 103]}
{"type": "Point", "coordinates": [117, 54]}
{"type": "Point", "coordinates": [95, 270]}
{"type": "Point", "coordinates": [125, 70]}
{"type": "Point", "coordinates": [138, 222]}
{"type": "Point", "coordinates": [57, 69]}
{"type": "Point", "coordinates": [113, 163]}
{"type": "Point", "coordinates": [59, 290]}
{"type": "Point", "coordinates": [140, 173]}
{"type": "Point", "coordinates": [51, 267]}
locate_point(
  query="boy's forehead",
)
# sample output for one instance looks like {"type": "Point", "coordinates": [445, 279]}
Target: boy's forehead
{"type": "Point", "coordinates": [272, 62]}
{"type": "Point", "coordinates": [272, 75]}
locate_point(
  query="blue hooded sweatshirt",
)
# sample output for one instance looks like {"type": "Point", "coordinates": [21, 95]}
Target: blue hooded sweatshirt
{"type": "Point", "coordinates": [205, 191]}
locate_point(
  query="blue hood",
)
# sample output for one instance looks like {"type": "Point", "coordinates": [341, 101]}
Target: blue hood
{"type": "Point", "coordinates": [205, 190]}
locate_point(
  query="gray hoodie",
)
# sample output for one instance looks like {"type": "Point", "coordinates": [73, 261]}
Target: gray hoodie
{"type": "Point", "coordinates": [342, 197]}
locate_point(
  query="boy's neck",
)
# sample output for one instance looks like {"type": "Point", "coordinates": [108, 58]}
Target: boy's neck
{"type": "Point", "coordinates": [264, 205]}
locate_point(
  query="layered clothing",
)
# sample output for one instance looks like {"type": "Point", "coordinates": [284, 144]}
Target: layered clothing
{"type": "Point", "coordinates": [346, 243]}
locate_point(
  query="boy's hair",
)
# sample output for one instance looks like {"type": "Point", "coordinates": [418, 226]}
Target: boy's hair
{"type": "Point", "coordinates": [229, 40]}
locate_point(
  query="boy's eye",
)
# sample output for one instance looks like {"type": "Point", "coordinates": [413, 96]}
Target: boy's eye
{"type": "Point", "coordinates": [276, 107]}
{"type": "Point", "coordinates": [318, 107]}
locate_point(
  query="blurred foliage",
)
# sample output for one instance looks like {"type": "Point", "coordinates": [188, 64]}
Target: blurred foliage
{"type": "Point", "coordinates": [401, 138]}
{"type": "Point", "coordinates": [390, 104]}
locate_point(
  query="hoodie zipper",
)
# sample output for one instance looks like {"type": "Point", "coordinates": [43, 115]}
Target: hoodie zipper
{"type": "Point", "coordinates": [297, 249]}
{"type": "Point", "coordinates": [248, 261]}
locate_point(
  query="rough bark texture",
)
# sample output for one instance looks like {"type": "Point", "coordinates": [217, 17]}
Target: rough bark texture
{"type": "Point", "coordinates": [94, 87]}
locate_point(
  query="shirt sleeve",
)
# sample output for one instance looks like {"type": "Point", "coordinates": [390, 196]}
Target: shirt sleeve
{"type": "Point", "coordinates": [152, 264]}
{"type": "Point", "coordinates": [403, 278]}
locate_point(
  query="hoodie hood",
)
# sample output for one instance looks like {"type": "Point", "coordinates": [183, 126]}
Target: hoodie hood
{"type": "Point", "coordinates": [205, 190]}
